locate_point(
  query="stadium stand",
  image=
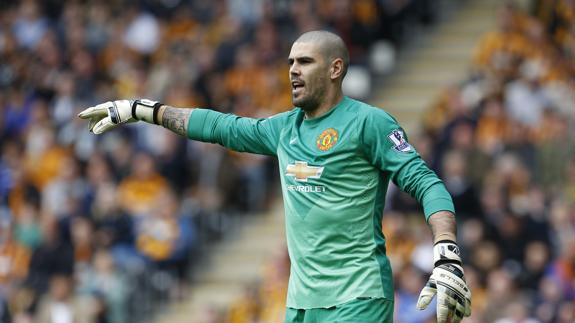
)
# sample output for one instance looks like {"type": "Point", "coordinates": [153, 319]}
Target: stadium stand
{"type": "Point", "coordinates": [70, 234]}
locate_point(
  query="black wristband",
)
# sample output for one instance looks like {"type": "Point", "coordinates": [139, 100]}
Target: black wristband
{"type": "Point", "coordinates": [156, 110]}
{"type": "Point", "coordinates": [156, 107]}
{"type": "Point", "coordinates": [447, 261]}
{"type": "Point", "coordinates": [134, 109]}
{"type": "Point", "coordinates": [446, 252]}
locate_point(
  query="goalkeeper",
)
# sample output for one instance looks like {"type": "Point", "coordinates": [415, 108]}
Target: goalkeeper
{"type": "Point", "coordinates": [336, 157]}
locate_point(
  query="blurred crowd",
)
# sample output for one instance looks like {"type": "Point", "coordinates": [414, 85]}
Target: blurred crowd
{"type": "Point", "coordinates": [108, 228]}
{"type": "Point", "coordinates": [504, 144]}
{"type": "Point", "coordinates": [503, 141]}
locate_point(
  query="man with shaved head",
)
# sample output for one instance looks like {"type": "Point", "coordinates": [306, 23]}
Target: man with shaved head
{"type": "Point", "coordinates": [336, 157]}
{"type": "Point", "coordinates": [330, 45]}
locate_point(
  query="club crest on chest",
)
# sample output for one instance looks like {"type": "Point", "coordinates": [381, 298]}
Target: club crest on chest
{"type": "Point", "coordinates": [327, 139]}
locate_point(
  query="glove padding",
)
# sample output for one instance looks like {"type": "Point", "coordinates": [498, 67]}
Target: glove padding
{"type": "Point", "coordinates": [108, 115]}
{"type": "Point", "coordinates": [448, 282]}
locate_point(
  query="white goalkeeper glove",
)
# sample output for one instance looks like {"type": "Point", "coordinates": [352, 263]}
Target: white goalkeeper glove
{"type": "Point", "coordinates": [448, 282]}
{"type": "Point", "coordinates": [108, 115]}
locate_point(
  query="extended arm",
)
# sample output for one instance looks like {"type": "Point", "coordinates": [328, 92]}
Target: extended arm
{"type": "Point", "coordinates": [258, 136]}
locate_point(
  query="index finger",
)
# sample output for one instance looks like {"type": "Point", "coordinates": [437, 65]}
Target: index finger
{"type": "Point", "coordinates": [91, 112]}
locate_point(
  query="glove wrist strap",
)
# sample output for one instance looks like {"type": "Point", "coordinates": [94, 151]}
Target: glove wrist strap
{"type": "Point", "coordinates": [446, 252]}
{"type": "Point", "coordinates": [146, 110]}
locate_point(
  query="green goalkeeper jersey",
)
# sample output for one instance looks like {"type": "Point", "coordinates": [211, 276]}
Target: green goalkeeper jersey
{"type": "Point", "coordinates": [334, 172]}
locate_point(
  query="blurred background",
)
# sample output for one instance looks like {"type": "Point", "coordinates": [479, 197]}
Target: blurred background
{"type": "Point", "coordinates": [140, 225]}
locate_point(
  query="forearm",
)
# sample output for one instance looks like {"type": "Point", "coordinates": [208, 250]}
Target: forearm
{"type": "Point", "coordinates": [443, 226]}
{"type": "Point", "coordinates": [174, 119]}
{"type": "Point", "coordinates": [447, 278]}
{"type": "Point", "coordinates": [231, 131]}
{"type": "Point", "coordinates": [416, 179]}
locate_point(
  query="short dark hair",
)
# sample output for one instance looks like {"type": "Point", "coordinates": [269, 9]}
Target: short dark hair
{"type": "Point", "coordinates": [331, 46]}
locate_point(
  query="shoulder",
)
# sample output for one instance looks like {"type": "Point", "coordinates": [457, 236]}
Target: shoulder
{"type": "Point", "coordinates": [371, 114]}
{"type": "Point", "coordinates": [282, 116]}
{"type": "Point", "coordinates": [285, 114]}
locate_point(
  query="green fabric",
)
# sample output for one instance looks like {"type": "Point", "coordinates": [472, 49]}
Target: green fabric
{"type": "Point", "coordinates": [372, 310]}
{"type": "Point", "coordinates": [334, 173]}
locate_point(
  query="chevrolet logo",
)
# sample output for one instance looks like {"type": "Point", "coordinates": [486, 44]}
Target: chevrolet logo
{"type": "Point", "coordinates": [301, 171]}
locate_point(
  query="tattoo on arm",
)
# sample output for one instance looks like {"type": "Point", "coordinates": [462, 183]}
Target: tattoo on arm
{"type": "Point", "coordinates": [443, 226]}
{"type": "Point", "coordinates": [176, 119]}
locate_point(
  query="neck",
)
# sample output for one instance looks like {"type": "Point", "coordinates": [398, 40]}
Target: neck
{"type": "Point", "coordinates": [330, 101]}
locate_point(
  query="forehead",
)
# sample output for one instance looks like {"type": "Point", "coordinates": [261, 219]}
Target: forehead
{"type": "Point", "coordinates": [305, 49]}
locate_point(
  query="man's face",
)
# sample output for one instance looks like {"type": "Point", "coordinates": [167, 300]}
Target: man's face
{"type": "Point", "coordinates": [309, 75]}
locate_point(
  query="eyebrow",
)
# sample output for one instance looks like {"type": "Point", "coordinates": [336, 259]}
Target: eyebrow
{"type": "Point", "coordinates": [304, 59]}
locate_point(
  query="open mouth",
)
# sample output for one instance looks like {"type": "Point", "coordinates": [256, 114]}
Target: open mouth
{"type": "Point", "coordinates": [297, 86]}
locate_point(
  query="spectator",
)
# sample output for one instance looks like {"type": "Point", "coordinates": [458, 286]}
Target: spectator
{"type": "Point", "coordinates": [29, 26]}
{"type": "Point", "coordinates": [63, 194]}
{"type": "Point", "coordinates": [499, 50]}
{"type": "Point", "coordinates": [142, 32]}
{"type": "Point", "coordinates": [138, 191]}
{"type": "Point", "coordinates": [104, 279]}
{"type": "Point", "coordinates": [4, 313]}
{"type": "Point", "coordinates": [457, 183]}
{"type": "Point", "coordinates": [410, 281]}
{"type": "Point", "coordinates": [536, 258]}
{"type": "Point", "coordinates": [525, 97]}
{"type": "Point", "coordinates": [516, 312]}
{"type": "Point", "coordinates": [52, 257]}
{"type": "Point", "coordinates": [61, 306]}
{"type": "Point", "coordinates": [15, 259]}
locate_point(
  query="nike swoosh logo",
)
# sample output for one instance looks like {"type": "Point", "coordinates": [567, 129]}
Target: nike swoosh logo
{"type": "Point", "coordinates": [292, 141]}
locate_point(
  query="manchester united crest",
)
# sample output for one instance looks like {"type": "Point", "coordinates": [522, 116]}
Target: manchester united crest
{"type": "Point", "coordinates": [327, 139]}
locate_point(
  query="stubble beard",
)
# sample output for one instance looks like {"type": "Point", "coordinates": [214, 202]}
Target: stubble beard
{"type": "Point", "coordinates": [310, 101]}
{"type": "Point", "coordinates": [307, 103]}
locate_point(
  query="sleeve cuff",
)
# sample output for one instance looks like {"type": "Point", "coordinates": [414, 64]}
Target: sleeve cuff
{"type": "Point", "coordinates": [196, 124]}
{"type": "Point", "coordinates": [436, 205]}
{"type": "Point", "coordinates": [435, 199]}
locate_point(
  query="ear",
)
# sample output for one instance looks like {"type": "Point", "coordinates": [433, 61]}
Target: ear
{"type": "Point", "coordinates": [336, 69]}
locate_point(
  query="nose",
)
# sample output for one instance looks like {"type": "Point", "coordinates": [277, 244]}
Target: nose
{"type": "Point", "coordinates": [294, 69]}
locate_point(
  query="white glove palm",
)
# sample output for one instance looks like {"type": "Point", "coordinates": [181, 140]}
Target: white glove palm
{"type": "Point", "coordinates": [108, 115]}
{"type": "Point", "coordinates": [448, 282]}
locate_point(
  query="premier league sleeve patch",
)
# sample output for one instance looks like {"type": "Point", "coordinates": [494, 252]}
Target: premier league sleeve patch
{"type": "Point", "coordinates": [399, 142]}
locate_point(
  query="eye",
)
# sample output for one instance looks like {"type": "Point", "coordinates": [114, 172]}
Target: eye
{"type": "Point", "coordinates": [290, 61]}
{"type": "Point", "coordinates": [305, 60]}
